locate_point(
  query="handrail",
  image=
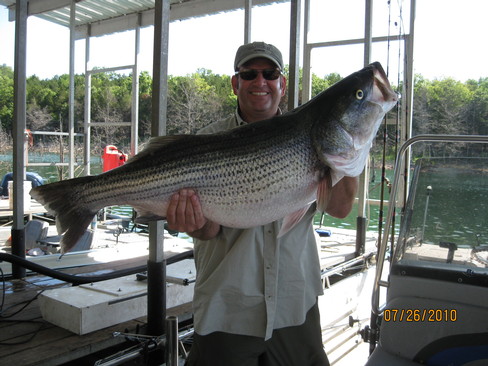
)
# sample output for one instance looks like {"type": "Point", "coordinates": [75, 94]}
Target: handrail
{"type": "Point", "coordinates": [82, 279]}
{"type": "Point", "coordinates": [398, 168]}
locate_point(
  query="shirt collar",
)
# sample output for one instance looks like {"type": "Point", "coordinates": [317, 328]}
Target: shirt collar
{"type": "Point", "coordinates": [241, 122]}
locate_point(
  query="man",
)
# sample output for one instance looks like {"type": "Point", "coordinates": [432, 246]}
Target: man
{"type": "Point", "coordinates": [255, 301]}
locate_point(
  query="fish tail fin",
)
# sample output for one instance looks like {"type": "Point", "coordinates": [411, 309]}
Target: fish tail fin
{"type": "Point", "coordinates": [65, 201]}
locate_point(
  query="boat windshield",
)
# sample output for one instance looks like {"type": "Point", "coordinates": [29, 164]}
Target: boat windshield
{"type": "Point", "coordinates": [445, 223]}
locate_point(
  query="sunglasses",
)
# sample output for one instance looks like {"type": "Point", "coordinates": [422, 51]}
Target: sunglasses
{"type": "Point", "coordinates": [268, 74]}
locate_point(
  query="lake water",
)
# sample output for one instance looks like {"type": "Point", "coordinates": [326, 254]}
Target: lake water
{"type": "Point", "coordinates": [451, 202]}
{"type": "Point", "coordinates": [50, 173]}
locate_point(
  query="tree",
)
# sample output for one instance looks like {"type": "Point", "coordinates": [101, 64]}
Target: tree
{"type": "Point", "coordinates": [477, 108]}
{"type": "Point", "coordinates": [192, 104]}
{"type": "Point", "coordinates": [319, 85]}
{"type": "Point", "coordinates": [223, 89]}
{"type": "Point", "coordinates": [37, 118]}
{"type": "Point", "coordinates": [145, 105]}
{"type": "Point", "coordinates": [445, 103]}
{"type": "Point", "coordinates": [6, 98]}
{"type": "Point", "coordinates": [443, 107]}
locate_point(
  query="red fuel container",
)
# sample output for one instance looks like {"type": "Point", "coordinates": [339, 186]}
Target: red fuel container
{"type": "Point", "coordinates": [112, 158]}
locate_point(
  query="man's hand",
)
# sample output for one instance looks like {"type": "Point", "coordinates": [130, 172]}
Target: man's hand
{"type": "Point", "coordinates": [185, 215]}
{"type": "Point", "coordinates": [342, 197]}
{"type": "Point", "coordinates": [185, 212]}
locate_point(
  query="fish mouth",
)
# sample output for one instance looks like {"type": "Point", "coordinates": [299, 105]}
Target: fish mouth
{"type": "Point", "coordinates": [384, 98]}
{"type": "Point", "coordinates": [383, 94]}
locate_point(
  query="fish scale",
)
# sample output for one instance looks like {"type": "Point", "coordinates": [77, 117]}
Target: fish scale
{"type": "Point", "coordinates": [247, 176]}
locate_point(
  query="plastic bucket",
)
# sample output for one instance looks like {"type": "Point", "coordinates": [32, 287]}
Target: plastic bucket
{"type": "Point", "coordinates": [27, 198]}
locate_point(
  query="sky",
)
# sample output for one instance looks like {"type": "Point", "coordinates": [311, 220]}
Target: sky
{"type": "Point", "coordinates": [450, 40]}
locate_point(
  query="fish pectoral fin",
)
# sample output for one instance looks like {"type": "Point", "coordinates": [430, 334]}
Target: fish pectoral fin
{"type": "Point", "coordinates": [291, 220]}
{"type": "Point", "coordinates": [323, 190]}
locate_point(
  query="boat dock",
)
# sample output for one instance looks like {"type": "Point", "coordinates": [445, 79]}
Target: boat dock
{"type": "Point", "coordinates": [27, 338]}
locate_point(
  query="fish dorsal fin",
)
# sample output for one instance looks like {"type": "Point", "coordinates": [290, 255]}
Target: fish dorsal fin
{"type": "Point", "coordinates": [291, 220]}
{"type": "Point", "coordinates": [157, 143]}
{"type": "Point", "coordinates": [323, 192]}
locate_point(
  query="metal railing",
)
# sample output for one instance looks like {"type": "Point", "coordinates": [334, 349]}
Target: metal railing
{"type": "Point", "coordinates": [378, 282]}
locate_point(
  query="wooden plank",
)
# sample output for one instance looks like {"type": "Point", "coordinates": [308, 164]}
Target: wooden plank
{"type": "Point", "coordinates": [6, 211]}
{"type": "Point", "coordinates": [20, 331]}
{"type": "Point", "coordinates": [55, 346]}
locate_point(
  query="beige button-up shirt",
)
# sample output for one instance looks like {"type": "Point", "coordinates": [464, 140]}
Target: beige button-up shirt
{"type": "Point", "coordinates": [249, 282]}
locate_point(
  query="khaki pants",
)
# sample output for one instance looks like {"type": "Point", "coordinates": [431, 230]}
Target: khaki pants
{"type": "Point", "coordinates": [291, 346]}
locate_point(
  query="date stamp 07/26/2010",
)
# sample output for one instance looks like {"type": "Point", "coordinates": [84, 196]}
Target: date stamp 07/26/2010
{"type": "Point", "coordinates": [420, 315]}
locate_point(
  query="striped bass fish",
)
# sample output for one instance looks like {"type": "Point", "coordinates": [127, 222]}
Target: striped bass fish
{"type": "Point", "coordinates": [244, 177]}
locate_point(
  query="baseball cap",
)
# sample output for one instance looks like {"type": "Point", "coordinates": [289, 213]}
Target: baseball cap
{"type": "Point", "coordinates": [257, 49]}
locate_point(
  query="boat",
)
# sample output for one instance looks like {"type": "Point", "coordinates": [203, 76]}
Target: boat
{"type": "Point", "coordinates": [436, 309]}
{"type": "Point", "coordinates": [34, 178]}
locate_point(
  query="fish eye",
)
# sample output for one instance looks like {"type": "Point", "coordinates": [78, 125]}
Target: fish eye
{"type": "Point", "coordinates": [359, 94]}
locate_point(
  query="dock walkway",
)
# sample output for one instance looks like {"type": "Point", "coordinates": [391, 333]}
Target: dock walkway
{"type": "Point", "coordinates": [27, 339]}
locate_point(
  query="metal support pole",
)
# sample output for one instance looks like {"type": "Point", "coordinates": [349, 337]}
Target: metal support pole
{"type": "Point", "coordinates": [156, 280]}
{"type": "Point", "coordinates": [368, 31]}
{"type": "Point", "coordinates": [293, 77]}
{"type": "Point", "coordinates": [408, 91]}
{"type": "Point", "coordinates": [18, 238]}
{"type": "Point", "coordinates": [156, 265]}
{"type": "Point", "coordinates": [172, 341]}
{"type": "Point", "coordinates": [71, 101]}
{"type": "Point", "coordinates": [429, 191]}
{"type": "Point", "coordinates": [87, 107]}
{"type": "Point", "coordinates": [361, 221]}
{"type": "Point", "coordinates": [247, 21]}
{"type": "Point", "coordinates": [361, 227]}
{"type": "Point", "coordinates": [307, 55]}
{"type": "Point", "coordinates": [160, 68]}
{"type": "Point", "coordinates": [134, 137]}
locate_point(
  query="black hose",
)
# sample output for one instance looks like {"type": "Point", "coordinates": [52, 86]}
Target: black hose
{"type": "Point", "coordinates": [79, 280]}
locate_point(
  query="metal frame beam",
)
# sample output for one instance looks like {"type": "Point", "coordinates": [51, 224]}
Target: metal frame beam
{"type": "Point", "coordinates": [87, 106]}
{"type": "Point", "coordinates": [361, 220]}
{"type": "Point", "coordinates": [294, 69]}
{"type": "Point", "coordinates": [156, 270]}
{"type": "Point", "coordinates": [134, 136]}
{"type": "Point", "coordinates": [18, 229]}
{"type": "Point", "coordinates": [71, 102]}
{"type": "Point", "coordinates": [247, 21]}
{"type": "Point", "coordinates": [112, 24]}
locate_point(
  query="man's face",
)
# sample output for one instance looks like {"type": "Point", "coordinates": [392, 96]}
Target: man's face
{"type": "Point", "coordinates": [259, 96]}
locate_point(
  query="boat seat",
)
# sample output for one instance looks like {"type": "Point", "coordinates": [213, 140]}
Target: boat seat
{"type": "Point", "coordinates": [84, 243]}
{"type": "Point", "coordinates": [35, 230]}
{"type": "Point", "coordinates": [380, 357]}
{"type": "Point", "coordinates": [431, 322]}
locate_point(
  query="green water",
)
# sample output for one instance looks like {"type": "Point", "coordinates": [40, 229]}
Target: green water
{"type": "Point", "coordinates": [50, 173]}
{"type": "Point", "coordinates": [372, 211]}
{"type": "Point", "coordinates": [455, 207]}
